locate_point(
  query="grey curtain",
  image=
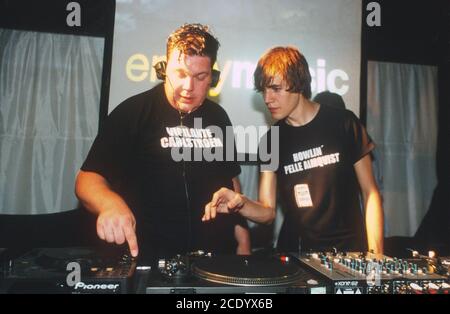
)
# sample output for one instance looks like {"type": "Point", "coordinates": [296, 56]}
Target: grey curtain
{"type": "Point", "coordinates": [402, 120]}
{"type": "Point", "coordinates": [49, 109]}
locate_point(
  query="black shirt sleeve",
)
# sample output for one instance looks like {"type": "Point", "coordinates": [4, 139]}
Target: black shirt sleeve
{"type": "Point", "coordinates": [358, 140]}
{"type": "Point", "coordinates": [232, 167]}
{"type": "Point", "coordinates": [109, 152]}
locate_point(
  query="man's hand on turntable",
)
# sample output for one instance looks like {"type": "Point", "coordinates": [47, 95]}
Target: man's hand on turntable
{"type": "Point", "coordinates": [115, 222]}
{"type": "Point", "coordinates": [223, 201]}
{"type": "Point", "coordinates": [118, 225]}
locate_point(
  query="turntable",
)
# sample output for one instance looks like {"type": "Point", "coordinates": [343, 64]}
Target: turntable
{"type": "Point", "coordinates": [232, 274]}
{"type": "Point", "coordinates": [46, 270]}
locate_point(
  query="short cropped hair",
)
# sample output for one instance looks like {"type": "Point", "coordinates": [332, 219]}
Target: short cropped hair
{"type": "Point", "coordinates": [194, 40]}
{"type": "Point", "coordinates": [287, 62]}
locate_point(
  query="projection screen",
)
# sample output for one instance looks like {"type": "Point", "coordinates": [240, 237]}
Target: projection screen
{"type": "Point", "coordinates": [327, 32]}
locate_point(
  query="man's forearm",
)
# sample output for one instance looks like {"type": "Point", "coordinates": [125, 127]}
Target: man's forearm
{"type": "Point", "coordinates": [374, 222]}
{"type": "Point", "coordinates": [257, 212]}
{"type": "Point", "coordinates": [94, 192]}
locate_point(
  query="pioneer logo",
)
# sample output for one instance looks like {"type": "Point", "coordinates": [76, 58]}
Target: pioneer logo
{"type": "Point", "coordinates": [81, 286]}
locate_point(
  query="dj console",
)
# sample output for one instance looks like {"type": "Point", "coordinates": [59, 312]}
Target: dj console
{"type": "Point", "coordinates": [67, 270]}
{"type": "Point", "coordinates": [358, 273]}
{"type": "Point", "coordinates": [204, 273]}
{"type": "Point", "coordinates": [94, 270]}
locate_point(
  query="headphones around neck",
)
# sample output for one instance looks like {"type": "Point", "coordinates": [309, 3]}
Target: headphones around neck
{"type": "Point", "coordinates": [160, 69]}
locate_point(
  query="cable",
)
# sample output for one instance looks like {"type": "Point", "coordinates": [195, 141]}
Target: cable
{"type": "Point", "coordinates": [186, 187]}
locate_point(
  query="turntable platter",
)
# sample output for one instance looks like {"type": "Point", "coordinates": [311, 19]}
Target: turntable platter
{"type": "Point", "coordinates": [57, 258]}
{"type": "Point", "coordinates": [247, 270]}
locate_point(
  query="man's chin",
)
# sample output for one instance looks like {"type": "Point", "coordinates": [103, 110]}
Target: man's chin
{"type": "Point", "coordinates": [277, 116]}
{"type": "Point", "coordinates": [188, 107]}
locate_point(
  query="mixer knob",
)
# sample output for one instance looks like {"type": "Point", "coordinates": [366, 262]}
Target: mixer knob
{"type": "Point", "coordinates": [415, 286]}
{"type": "Point", "coordinates": [433, 286]}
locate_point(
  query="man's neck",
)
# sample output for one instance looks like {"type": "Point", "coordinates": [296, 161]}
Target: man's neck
{"type": "Point", "coordinates": [304, 112]}
{"type": "Point", "coordinates": [169, 93]}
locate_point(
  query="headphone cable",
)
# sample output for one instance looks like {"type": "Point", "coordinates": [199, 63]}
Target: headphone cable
{"type": "Point", "coordinates": [186, 188]}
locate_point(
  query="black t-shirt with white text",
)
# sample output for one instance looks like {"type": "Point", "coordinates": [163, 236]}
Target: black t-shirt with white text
{"type": "Point", "coordinates": [317, 183]}
{"type": "Point", "coordinates": [134, 151]}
